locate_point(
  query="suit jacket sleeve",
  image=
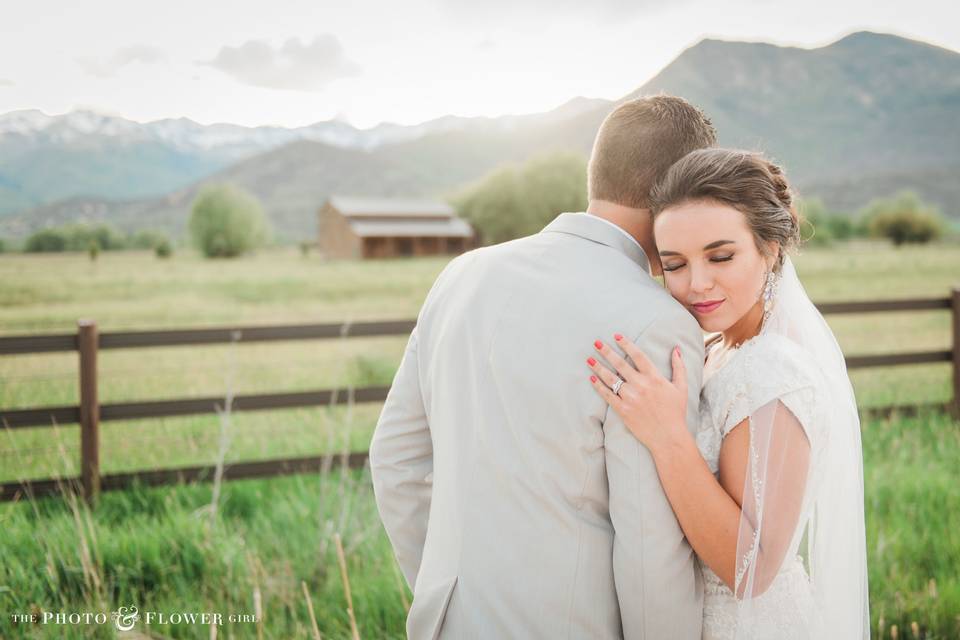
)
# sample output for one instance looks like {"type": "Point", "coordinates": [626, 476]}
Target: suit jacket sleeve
{"type": "Point", "coordinates": [659, 587]}
{"type": "Point", "coordinates": [401, 461]}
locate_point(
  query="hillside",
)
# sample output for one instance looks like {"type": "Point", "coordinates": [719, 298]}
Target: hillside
{"type": "Point", "coordinates": [850, 121]}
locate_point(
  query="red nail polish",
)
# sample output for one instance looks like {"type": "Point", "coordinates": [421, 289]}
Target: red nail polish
{"type": "Point", "coordinates": [591, 361]}
{"type": "Point", "coordinates": [598, 344]}
{"type": "Point", "coordinates": [593, 378]}
{"type": "Point", "coordinates": [617, 337]}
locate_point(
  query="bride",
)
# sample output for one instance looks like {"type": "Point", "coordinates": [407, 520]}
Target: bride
{"type": "Point", "coordinates": [769, 491]}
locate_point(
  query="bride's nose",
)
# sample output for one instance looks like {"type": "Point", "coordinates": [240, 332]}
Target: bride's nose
{"type": "Point", "coordinates": [700, 279]}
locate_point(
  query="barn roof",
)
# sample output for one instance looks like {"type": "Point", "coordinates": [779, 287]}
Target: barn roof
{"type": "Point", "coordinates": [390, 207]}
{"type": "Point", "coordinates": [441, 228]}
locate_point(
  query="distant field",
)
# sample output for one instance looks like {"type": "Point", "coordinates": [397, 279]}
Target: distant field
{"type": "Point", "coordinates": [911, 470]}
{"type": "Point", "coordinates": [134, 290]}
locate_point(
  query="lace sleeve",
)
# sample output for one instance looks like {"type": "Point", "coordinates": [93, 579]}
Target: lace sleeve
{"type": "Point", "coordinates": [770, 368]}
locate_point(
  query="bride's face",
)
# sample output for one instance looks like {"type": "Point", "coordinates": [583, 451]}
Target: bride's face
{"type": "Point", "coordinates": [711, 263]}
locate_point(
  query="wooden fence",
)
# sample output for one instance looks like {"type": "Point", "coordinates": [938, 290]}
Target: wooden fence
{"type": "Point", "coordinates": [89, 413]}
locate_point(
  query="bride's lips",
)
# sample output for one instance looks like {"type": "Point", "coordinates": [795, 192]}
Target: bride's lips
{"type": "Point", "coordinates": [707, 307]}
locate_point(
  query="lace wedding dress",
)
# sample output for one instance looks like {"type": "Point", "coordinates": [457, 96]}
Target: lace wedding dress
{"type": "Point", "coordinates": [803, 481]}
{"type": "Point", "coordinates": [765, 368]}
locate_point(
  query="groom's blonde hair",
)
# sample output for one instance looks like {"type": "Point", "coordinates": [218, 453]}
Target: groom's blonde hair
{"type": "Point", "coordinates": [637, 143]}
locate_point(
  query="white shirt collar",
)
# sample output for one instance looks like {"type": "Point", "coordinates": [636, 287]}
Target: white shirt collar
{"type": "Point", "coordinates": [618, 228]}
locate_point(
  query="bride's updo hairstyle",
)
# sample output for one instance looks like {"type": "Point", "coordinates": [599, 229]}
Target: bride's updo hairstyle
{"type": "Point", "coordinates": [743, 180]}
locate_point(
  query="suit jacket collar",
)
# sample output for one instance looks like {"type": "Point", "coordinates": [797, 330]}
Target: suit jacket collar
{"type": "Point", "coordinates": [594, 229]}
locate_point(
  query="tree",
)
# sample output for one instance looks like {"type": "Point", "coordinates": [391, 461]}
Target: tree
{"type": "Point", "coordinates": [226, 221]}
{"type": "Point", "coordinates": [903, 218]}
{"type": "Point", "coordinates": [813, 226]}
{"type": "Point", "coordinates": [79, 236]}
{"type": "Point", "coordinates": [517, 201]}
{"type": "Point", "coordinates": [162, 249]}
{"type": "Point", "coordinates": [821, 227]}
{"type": "Point", "coordinates": [46, 240]}
{"type": "Point", "coordinates": [147, 239]}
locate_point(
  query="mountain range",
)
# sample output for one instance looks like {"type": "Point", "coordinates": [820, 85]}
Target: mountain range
{"type": "Point", "coordinates": [857, 119]}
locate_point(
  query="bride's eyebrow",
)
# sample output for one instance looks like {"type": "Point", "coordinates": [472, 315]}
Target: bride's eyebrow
{"type": "Point", "coordinates": [712, 245]}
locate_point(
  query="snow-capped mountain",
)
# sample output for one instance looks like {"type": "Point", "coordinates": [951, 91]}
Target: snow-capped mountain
{"type": "Point", "coordinates": [84, 153]}
{"type": "Point", "coordinates": [184, 134]}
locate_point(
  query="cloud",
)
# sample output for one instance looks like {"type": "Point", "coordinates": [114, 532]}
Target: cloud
{"type": "Point", "coordinates": [144, 54]}
{"type": "Point", "coordinates": [295, 65]}
{"type": "Point", "coordinates": [487, 44]}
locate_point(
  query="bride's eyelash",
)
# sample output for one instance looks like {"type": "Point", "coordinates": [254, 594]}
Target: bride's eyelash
{"type": "Point", "coordinates": [720, 259]}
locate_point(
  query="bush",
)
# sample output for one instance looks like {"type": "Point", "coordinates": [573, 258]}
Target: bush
{"type": "Point", "coordinates": [226, 221]}
{"type": "Point", "coordinates": [163, 250]}
{"type": "Point", "coordinates": [814, 229]}
{"type": "Point", "coordinates": [80, 235]}
{"type": "Point", "coordinates": [903, 218]}
{"type": "Point", "coordinates": [46, 240]}
{"type": "Point", "coordinates": [821, 227]}
{"type": "Point", "coordinates": [76, 237]}
{"type": "Point", "coordinates": [517, 201]}
{"type": "Point", "coordinates": [147, 239]}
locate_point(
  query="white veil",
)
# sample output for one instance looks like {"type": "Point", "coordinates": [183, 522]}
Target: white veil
{"type": "Point", "coordinates": [803, 493]}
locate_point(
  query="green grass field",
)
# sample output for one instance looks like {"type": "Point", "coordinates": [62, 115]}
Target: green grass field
{"type": "Point", "coordinates": [166, 549]}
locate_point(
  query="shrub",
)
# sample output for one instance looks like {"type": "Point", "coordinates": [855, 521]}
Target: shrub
{"type": "Point", "coordinates": [80, 235]}
{"type": "Point", "coordinates": [226, 221]}
{"type": "Point", "coordinates": [163, 249]}
{"type": "Point", "coordinates": [813, 226]}
{"type": "Point", "coordinates": [46, 240]}
{"type": "Point", "coordinates": [821, 227]}
{"type": "Point", "coordinates": [903, 218]}
{"type": "Point", "coordinates": [76, 237]}
{"type": "Point", "coordinates": [147, 239]}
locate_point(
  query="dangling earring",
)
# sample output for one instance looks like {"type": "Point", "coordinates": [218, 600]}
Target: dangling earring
{"type": "Point", "coordinates": [769, 293]}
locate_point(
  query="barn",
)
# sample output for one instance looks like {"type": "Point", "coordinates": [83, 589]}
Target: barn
{"type": "Point", "coordinates": [388, 227]}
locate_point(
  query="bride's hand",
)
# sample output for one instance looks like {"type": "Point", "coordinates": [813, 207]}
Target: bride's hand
{"type": "Point", "coordinates": [652, 407]}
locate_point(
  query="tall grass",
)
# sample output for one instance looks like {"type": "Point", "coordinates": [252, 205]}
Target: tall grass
{"type": "Point", "coordinates": [158, 549]}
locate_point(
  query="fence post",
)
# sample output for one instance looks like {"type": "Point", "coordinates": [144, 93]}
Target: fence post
{"type": "Point", "coordinates": [89, 410]}
{"type": "Point", "coordinates": [956, 352]}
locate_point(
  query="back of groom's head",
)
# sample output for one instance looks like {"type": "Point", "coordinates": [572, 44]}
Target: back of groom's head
{"type": "Point", "coordinates": [637, 143]}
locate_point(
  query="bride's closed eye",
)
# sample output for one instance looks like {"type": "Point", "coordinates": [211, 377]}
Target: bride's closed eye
{"type": "Point", "coordinates": [715, 259]}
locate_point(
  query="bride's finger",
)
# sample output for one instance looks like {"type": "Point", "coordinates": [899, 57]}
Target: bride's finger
{"type": "Point", "coordinates": [612, 399]}
{"type": "Point", "coordinates": [606, 375]}
{"type": "Point", "coordinates": [640, 359]}
{"type": "Point", "coordinates": [624, 368]}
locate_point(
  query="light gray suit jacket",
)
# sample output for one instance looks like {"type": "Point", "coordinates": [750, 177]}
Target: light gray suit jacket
{"type": "Point", "coordinates": [518, 504]}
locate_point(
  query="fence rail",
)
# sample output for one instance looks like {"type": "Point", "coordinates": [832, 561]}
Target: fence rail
{"type": "Point", "coordinates": [89, 413]}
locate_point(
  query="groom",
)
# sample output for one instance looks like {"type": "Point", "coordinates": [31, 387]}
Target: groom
{"type": "Point", "coordinates": [517, 505]}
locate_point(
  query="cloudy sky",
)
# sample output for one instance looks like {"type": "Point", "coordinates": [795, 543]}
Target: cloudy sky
{"type": "Point", "coordinates": [294, 62]}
